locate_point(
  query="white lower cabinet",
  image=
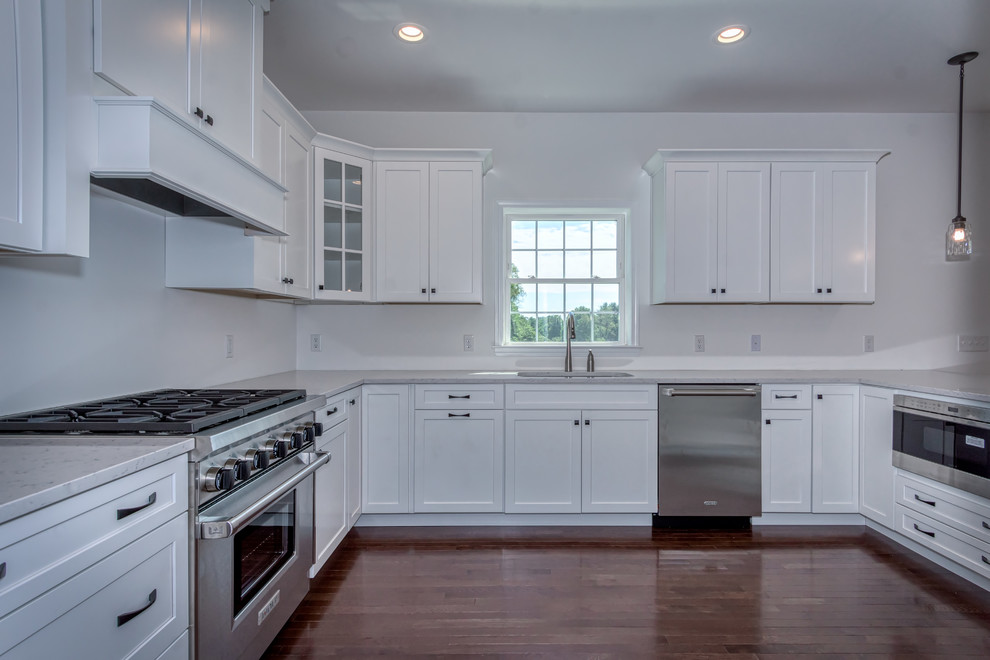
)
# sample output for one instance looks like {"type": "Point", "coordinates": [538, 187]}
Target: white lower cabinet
{"type": "Point", "coordinates": [459, 458]}
{"type": "Point", "coordinates": [786, 460]}
{"type": "Point", "coordinates": [619, 461]}
{"type": "Point", "coordinates": [330, 496]}
{"type": "Point", "coordinates": [542, 461]}
{"type": "Point", "coordinates": [876, 480]}
{"type": "Point", "coordinates": [835, 449]}
{"type": "Point", "coordinates": [385, 435]}
{"type": "Point", "coordinates": [353, 398]}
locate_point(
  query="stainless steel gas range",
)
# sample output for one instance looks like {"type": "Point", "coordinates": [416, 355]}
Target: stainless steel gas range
{"type": "Point", "coordinates": [251, 497]}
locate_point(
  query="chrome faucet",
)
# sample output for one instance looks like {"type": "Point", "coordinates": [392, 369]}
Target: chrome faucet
{"type": "Point", "coordinates": [569, 333]}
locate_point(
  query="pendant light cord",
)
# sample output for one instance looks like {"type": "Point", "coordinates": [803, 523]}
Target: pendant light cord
{"type": "Point", "coordinates": [962, 67]}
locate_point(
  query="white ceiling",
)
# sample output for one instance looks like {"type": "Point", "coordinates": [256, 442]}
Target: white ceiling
{"type": "Point", "coordinates": [629, 55]}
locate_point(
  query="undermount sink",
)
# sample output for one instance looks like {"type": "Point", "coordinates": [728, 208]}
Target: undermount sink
{"type": "Point", "coordinates": [573, 374]}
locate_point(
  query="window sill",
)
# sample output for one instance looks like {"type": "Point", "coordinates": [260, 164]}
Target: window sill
{"type": "Point", "coordinates": [557, 350]}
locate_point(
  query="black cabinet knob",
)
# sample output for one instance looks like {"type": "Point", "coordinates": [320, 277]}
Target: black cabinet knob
{"type": "Point", "coordinates": [209, 120]}
{"type": "Point", "coordinates": [321, 287]}
{"type": "Point", "coordinates": [828, 290]}
{"type": "Point", "coordinates": [713, 290]}
{"type": "Point", "coordinates": [199, 113]}
{"type": "Point", "coordinates": [819, 290]}
{"type": "Point", "coordinates": [723, 290]}
{"type": "Point", "coordinates": [433, 290]}
{"type": "Point", "coordinates": [423, 290]}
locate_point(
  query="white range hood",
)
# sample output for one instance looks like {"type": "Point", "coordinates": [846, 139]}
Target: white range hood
{"type": "Point", "coordinates": [146, 152]}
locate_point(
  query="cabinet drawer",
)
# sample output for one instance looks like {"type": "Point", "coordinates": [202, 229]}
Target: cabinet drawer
{"type": "Point", "coordinates": [334, 412]}
{"type": "Point", "coordinates": [446, 396]}
{"type": "Point", "coordinates": [956, 510]}
{"type": "Point", "coordinates": [591, 397]}
{"type": "Point", "coordinates": [53, 544]}
{"type": "Point", "coordinates": [90, 615]}
{"type": "Point", "coordinates": [786, 397]}
{"type": "Point", "coordinates": [946, 541]}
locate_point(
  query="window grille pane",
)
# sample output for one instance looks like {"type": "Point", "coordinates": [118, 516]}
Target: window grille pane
{"type": "Point", "coordinates": [577, 264]}
{"type": "Point", "coordinates": [550, 235]}
{"type": "Point", "coordinates": [550, 264]}
{"type": "Point", "coordinates": [524, 262]}
{"type": "Point", "coordinates": [606, 297]}
{"type": "Point", "coordinates": [524, 298]}
{"type": "Point", "coordinates": [578, 298]}
{"type": "Point", "coordinates": [582, 327]}
{"type": "Point", "coordinates": [550, 327]}
{"type": "Point", "coordinates": [332, 227]}
{"type": "Point", "coordinates": [523, 327]}
{"type": "Point", "coordinates": [523, 235]}
{"type": "Point", "coordinates": [606, 327]}
{"type": "Point", "coordinates": [352, 185]}
{"type": "Point", "coordinates": [577, 235]}
{"type": "Point", "coordinates": [352, 230]}
{"type": "Point", "coordinates": [550, 298]}
{"type": "Point", "coordinates": [605, 263]}
{"type": "Point", "coordinates": [605, 234]}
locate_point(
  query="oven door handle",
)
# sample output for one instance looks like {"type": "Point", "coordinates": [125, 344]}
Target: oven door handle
{"type": "Point", "coordinates": [227, 527]}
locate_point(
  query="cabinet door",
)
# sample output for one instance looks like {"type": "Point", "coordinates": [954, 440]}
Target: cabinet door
{"type": "Point", "coordinates": [876, 483]}
{"type": "Point", "coordinates": [297, 254]}
{"type": "Point", "coordinates": [21, 125]}
{"type": "Point", "coordinates": [786, 456]}
{"type": "Point", "coordinates": [835, 448]}
{"type": "Point", "coordinates": [619, 462]}
{"type": "Point", "coordinates": [342, 226]}
{"type": "Point", "coordinates": [330, 497]}
{"type": "Point", "coordinates": [226, 55]}
{"type": "Point", "coordinates": [542, 461]}
{"type": "Point", "coordinates": [690, 230]}
{"type": "Point", "coordinates": [459, 461]}
{"type": "Point", "coordinates": [849, 231]}
{"type": "Point", "coordinates": [796, 216]}
{"type": "Point", "coordinates": [455, 233]}
{"type": "Point", "coordinates": [354, 458]}
{"type": "Point", "coordinates": [743, 232]}
{"type": "Point", "coordinates": [385, 449]}
{"type": "Point", "coordinates": [402, 247]}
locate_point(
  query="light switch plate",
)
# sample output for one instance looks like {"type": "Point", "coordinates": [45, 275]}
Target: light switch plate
{"type": "Point", "coordinates": [699, 343]}
{"type": "Point", "coordinates": [755, 343]}
{"type": "Point", "coordinates": [867, 343]}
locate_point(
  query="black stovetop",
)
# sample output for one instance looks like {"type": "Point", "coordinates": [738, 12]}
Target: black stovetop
{"type": "Point", "coordinates": [160, 411]}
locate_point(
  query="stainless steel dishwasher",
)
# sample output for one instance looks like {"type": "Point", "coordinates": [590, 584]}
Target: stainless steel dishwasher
{"type": "Point", "coordinates": [709, 459]}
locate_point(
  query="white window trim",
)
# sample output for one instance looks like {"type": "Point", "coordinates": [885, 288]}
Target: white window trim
{"type": "Point", "coordinates": [627, 293]}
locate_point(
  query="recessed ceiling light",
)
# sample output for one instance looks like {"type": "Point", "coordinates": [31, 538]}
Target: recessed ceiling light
{"type": "Point", "coordinates": [410, 32]}
{"type": "Point", "coordinates": [731, 34]}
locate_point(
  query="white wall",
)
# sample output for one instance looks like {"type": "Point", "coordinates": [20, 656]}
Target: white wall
{"type": "Point", "coordinates": [80, 329]}
{"type": "Point", "coordinates": [922, 301]}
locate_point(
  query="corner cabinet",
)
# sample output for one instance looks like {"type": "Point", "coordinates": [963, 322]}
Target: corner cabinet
{"type": "Point", "coordinates": [342, 221]}
{"type": "Point", "coordinates": [778, 226]}
{"type": "Point", "coordinates": [429, 228]}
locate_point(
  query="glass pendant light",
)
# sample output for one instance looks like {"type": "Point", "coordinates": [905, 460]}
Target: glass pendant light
{"type": "Point", "coordinates": [959, 237]}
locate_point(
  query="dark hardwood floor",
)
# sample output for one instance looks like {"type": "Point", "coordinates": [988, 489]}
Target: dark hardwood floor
{"type": "Point", "coordinates": [841, 592]}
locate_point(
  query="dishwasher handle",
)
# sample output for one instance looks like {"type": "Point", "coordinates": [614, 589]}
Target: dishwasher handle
{"type": "Point", "coordinates": [713, 391]}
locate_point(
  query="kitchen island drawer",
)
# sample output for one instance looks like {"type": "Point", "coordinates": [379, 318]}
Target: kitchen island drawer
{"type": "Point", "coordinates": [581, 397]}
{"type": "Point", "coordinates": [786, 397]}
{"type": "Point", "coordinates": [447, 396]}
{"type": "Point", "coordinates": [52, 544]}
{"type": "Point", "coordinates": [946, 541]}
{"type": "Point", "coordinates": [962, 511]}
{"type": "Point", "coordinates": [132, 604]}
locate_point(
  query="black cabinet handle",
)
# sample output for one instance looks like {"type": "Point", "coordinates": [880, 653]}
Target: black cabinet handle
{"type": "Point", "coordinates": [819, 290]}
{"type": "Point", "coordinates": [199, 113]}
{"type": "Point", "coordinates": [352, 401]}
{"type": "Point", "coordinates": [433, 290]}
{"type": "Point", "coordinates": [768, 421]}
{"type": "Point", "coordinates": [918, 529]}
{"type": "Point", "coordinates": [321, 287]}
{"type": "Point", "coordinates": [578, 423]}
{"type": "Point", "coordinates": [331, 412]}
{"type": "Point", "coordinates": [458, 396]}
{"type": "Point", "coordinates": [819, 396]}
{"type": "Point", "coordinates": [786, 396]}
{"type": "Point", "coordinates": [124, 618]}
{"type": "Point", "coordinates": [209, 120]}
{"type": "Point", "coordinates": [828, 290]}
{"type": "Point", "coordinates": [3, 570]}
{"type": "Point", "coordinates": [587, 422]}
{"type": "Point", "coordinates": [456, 415]}
{"type": "Point", "coordinates": [713, 290]}
{"type": "Point", "coordinates": [918, 497]}
{"type": "Point", "coordinates": [123, 513]}
{"type": "Point", "coordinates": [985, 560]}
{"type": "Point", "coordinates": [723, 290]}
{"type": "Point", "coordinates": [986, 525]}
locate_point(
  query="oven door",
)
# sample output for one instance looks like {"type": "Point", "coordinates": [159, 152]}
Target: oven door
{"type": "Point", "coordinates": [253, 553]}
{"type": "Point", "coordinates": [925, 437]}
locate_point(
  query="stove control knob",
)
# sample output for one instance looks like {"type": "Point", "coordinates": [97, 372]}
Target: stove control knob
{"type": "Point", "coordinates": [240, 467]}
{"type": "Point", "coordinates": [298, 438]}
{"type": "Point", "coordinates": [218, 478]}
{"type": "Point", "coordinates": [319, 428]}
{"type": "Point", "coordinates": [279, 448]}
{"type": "Point", "coordinates": [259, 458]}
{"type": "Point", "coordinates": [309, 433]}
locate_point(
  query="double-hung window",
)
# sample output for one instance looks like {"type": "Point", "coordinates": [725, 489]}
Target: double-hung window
{"type": "Point", "coordinates": [560, 262]}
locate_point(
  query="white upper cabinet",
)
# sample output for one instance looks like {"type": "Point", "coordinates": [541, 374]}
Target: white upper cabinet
{"type": "Point", "coordinates": [21, 126]}
{"type": "Point", "coordinates": [342, 223]}
{"type": "Point", "coordinates": [823, 228]}
{"type": "Point", "coordinates": [210, 72]}
{"type": "Point", "coordinates": [429, 229]}
{"type": "Point", "coordinates": [763, 226]}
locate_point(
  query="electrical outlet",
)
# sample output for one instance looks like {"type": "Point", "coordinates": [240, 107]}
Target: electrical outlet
{"type": "Point", "coordinates": [316, 343]}
{"type": "Point", "coordinates": [228, 346]}
{"type": "Point", "coordinates": [867, 343]}
{"type": "Point", "coordinates": [468, 342]}
{"type": "Point", "coordinates": [973, 343]}
{"type": "Point", "coordinates": [755, 343]}
{"type": "Point", "coordinates": [699, 343]}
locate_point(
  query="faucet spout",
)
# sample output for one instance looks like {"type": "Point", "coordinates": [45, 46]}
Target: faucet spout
{"type": "Point", "coordinates": [569, 334]}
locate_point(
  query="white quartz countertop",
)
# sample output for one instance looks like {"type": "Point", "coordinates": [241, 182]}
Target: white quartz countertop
{"type": "Point", "coordinates": [975, 386]}
{"type": "Point", "coordinates": [36, 471]}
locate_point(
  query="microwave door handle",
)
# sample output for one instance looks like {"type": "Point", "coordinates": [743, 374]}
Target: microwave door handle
{"type": "Point", "coordinates": [227, 527]}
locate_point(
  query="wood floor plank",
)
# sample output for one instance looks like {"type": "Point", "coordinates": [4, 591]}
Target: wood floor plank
{"type": "Point", "coordinates": [820, 592]}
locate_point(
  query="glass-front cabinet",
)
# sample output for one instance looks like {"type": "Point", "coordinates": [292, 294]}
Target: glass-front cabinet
{"type": "Point", "coordinates": [343, 221]}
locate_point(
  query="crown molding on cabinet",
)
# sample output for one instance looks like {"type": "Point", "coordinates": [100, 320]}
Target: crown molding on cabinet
{"type": "Point", "coordinates": [657, 160]}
